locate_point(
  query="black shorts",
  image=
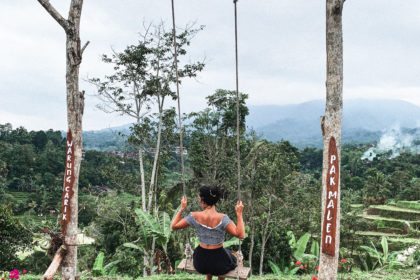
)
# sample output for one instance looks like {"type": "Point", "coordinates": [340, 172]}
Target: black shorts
{"type": "Point", "coordinates": [213, 261]}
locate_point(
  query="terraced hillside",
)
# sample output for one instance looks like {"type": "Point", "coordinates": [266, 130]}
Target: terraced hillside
{"type": "Point", "coordinates": [398, 222]}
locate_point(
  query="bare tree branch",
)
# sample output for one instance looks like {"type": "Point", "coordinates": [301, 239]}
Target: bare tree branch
{"type": "Point", "coordinates": [55, 14]}
{"type": "Point", "coordinates": [84, 47]}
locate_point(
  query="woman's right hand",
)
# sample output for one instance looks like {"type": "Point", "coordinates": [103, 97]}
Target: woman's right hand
{"type": "Point", "coordinates": [239, 207]}
{"type": "Point", "coordinates": [183, 203]}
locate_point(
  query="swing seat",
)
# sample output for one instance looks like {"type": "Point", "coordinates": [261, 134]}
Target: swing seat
{"type": "Point", "coordinates": [240, 271]}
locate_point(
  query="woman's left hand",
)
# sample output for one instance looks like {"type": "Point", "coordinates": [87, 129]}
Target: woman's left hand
{"type": "Point", "coordinates": [183, 203]}
{"type": "Point", "coordinates": [239, 207]}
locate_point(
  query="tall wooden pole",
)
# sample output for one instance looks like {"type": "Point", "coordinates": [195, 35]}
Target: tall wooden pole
{"type": "Point", "coordinates": [331, 131]}
{"type": "Point", "coordinates": [75, 106]}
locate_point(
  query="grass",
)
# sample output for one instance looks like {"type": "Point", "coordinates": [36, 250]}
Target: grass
{"type": "Point", "coordinates": [20, 196]}
{"type": "Point", "coordinates": [390, 223]}
{"type": "Point", "coordinates": [409, 204]}
{"type": "Point", "coordinates": [374, 275]}
{"type": "Point", "coordinates": [406, 240]}
{"type": "Point", "coordinates": [397, 242]}
{"type": "Point", "coordinates": [378, 234]}
{"type": "Point", "coordinates": [395, 208]}
{"type": "Point", "coordinates": [394, 212]}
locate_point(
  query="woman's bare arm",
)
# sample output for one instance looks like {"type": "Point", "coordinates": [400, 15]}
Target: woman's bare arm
{"type": "Point", "coordinates": [237, 230]}
{"type": "Point", "coordinates": [178, 222]}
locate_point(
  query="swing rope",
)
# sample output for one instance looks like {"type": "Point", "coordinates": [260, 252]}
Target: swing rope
{"type": "Point", "coordinates": [181, 147]}
{"type": "Point", "coordinates": [188, 250]}
{"type": "Point", "coordinates": [238, 150]}
{"type": "Point", "coordinates": [237, 103]}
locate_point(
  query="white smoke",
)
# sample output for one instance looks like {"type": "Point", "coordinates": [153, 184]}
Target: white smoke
{"type": "Point", "coordinates": [393, 140]}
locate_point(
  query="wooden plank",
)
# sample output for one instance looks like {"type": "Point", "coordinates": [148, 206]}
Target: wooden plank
{"type": "Point", "coordinates": [242, 272]}
{"type": "Point", "coordinates": [331, 201]}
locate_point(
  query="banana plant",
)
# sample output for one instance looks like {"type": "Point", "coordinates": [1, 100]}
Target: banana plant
{"type": "Point", "coordinates": [160, 229]}
{"type": "Point", "coordinates": [234, 241]}
{"type": "Point", "coordinates": [299, 247]}
{"type": "Point", "coordinates": [100, 270]}
{"type": "Point", "coordinates": [286, 271]}
{"type": "Point", "coordinates": [375, 258]}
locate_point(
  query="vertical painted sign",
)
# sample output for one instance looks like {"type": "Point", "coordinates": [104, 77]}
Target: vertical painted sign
{"type": "Point", "coordinates": [330, 214]}
{"type": "Point", "coordinates": [68, 183]}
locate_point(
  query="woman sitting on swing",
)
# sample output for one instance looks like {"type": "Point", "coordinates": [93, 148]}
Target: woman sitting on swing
{"type": "Point", "coordinates": [210, 257]}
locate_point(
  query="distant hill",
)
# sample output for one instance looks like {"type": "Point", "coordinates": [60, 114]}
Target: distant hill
{"type": "Point", "coordinates": [108, 139]}
{"type": "Point", "coordinates": [364, 120]}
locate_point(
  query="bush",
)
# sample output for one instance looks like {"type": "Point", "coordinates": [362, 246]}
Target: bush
{"type": "Point", "coordinates": [14, 238]}
{"type": "Point", "coordinates": [37, 262]}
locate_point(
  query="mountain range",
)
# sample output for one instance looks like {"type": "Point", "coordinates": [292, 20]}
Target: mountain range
{"type": "Point", "coordinates": [364, 120]}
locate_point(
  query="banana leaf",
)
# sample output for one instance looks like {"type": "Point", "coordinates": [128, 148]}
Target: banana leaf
{"type": "Point", "coordinates": [274, 268]}
{"type": "Point", "coordinates": [301, 246]}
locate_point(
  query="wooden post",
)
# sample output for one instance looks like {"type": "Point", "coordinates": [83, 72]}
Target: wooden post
{"type": "Point", "coordinates": [68, 192]}
{"type": "Point", "coordinates": [75, 107]}
{"type": "Point", "coordinates": [331, 131]}
{"type": "Point", "coordinates": [55, 264]}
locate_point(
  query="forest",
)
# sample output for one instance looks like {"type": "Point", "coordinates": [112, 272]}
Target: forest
{"type": "Point", "coordinates": [80, 209]}
{"type": "Point", "coordinates": [276, 176]}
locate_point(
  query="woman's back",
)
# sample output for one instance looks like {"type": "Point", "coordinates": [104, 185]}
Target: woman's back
{"type": "Point", "coordinates": [208, 218]}
{"type": "Point", "coordinates": [211, 227]}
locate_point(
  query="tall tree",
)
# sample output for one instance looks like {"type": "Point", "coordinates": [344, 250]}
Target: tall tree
{"type": "Point", "coordinates": [331, 131]}
{"type": "Point", "coordinates": [75, 105]}
{"type": "Point", "coordinates": [143, 77]}
{"type": "Point", "coordinates": [213, 140]}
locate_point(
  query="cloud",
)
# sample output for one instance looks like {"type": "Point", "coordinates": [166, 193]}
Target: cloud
{"type": "Point", "coordinates": [409, 94]}
{"type": "Point", "coordinates": [30, 122]}
{"type": "Point", "coordinates": [282, 56]}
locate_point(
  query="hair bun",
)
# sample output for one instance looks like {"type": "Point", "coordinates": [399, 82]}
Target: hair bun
{"type": "Point", "coordinates": [210, 195]}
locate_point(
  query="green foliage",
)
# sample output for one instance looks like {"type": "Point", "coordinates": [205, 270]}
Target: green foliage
{"type": "Point", "coordinates": [234, 241]}
{"type": "Point", "coordinates": [100, 270]}
{"type": "Point", "coordinates": [160, 229]}
{"type": "Point", "coordinates": [14, 238]}
{"type": "Point", "coordinates": [287, 271]}
{"type": "Point", "coordinates": [409, 204]}
{"type": "Point", "coordinates": [375, 259]}
{"type": "Point", "coordinates": [213, 141]}
{"type": "Point", "coordinates": [38, 262]}
{"type": "Point", "coordinates": [300, 246]}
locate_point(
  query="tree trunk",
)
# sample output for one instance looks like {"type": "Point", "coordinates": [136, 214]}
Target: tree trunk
{"type": "Point", "coordinates": [265, 237]}
{"type": "Point", "coordinates": [142, 180]}
{"type": "Point", "coordinates": [55, 264]}
{"type": "Point", "coordinates": [251, 248]}
{"type": "Point", "coordinates": [331, 131]}
{"type": "Point", "coordinates": [75, 106]}
{"type": "Point", "coordinates": [155, 161]}
{"type": "Point", "coordinates": [152, 252]}
{"type": "Point", "coordinates": [145, 262]}
{"type": "Point", "coordinates": [143, 201]}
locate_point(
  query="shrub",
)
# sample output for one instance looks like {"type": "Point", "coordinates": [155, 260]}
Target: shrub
{"type": "Point", "coordinates": [14, 238]}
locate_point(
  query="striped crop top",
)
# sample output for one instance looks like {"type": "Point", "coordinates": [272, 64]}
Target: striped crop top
{"type": "Point", "coordinates": [209, 235]}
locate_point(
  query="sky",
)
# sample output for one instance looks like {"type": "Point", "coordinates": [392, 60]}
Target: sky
{"type": "Point", "coordinates": [282, 57]}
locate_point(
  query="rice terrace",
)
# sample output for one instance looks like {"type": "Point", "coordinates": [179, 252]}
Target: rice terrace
{"type": "Point", "coordinates": [182, 139]}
